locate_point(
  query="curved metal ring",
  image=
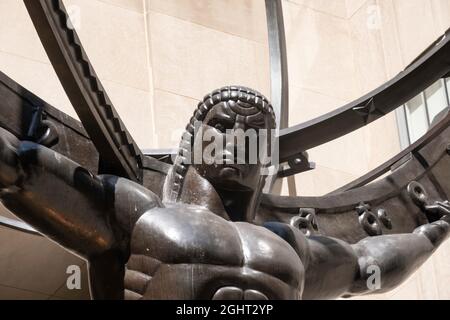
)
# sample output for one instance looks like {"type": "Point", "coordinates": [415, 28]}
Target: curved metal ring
{"type": "Point", "coordinates": [417, 193]}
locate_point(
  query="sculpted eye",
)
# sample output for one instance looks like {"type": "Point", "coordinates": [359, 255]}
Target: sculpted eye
{"type": "Point", "coordinates": [256, 121]}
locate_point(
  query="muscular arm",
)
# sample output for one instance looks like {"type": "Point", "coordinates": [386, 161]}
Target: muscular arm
{"type": "Point", "coordinates": [334, 268]}
{"type": "Point", "coordinates": [397, 256]}
{"type": "Point", "coordinates": [87, 214]}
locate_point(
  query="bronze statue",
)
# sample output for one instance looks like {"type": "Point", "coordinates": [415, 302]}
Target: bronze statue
{"type": "Point", "coordinates": [200, 242]}
{"type": "Point", "coordinates": [153, 229]}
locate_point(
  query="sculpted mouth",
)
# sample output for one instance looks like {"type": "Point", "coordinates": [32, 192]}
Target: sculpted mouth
{"type": "Point", "coordinates": [230, 171]}
{"type": "Point", "coordinates": [231, 166]}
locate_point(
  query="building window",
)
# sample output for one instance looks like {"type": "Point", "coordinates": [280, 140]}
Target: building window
{"type": "Point", "coordinates": [415, 117]}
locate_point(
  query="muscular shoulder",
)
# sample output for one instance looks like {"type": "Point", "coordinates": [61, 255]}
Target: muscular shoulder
{"type": "Point", "coordinates": [187, 234]}
{"type": "Point", "coordinates": [130, 200]}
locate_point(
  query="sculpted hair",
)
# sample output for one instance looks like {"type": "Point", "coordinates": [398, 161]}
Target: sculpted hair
{"type": "Point", "coordinates": [238, 95]}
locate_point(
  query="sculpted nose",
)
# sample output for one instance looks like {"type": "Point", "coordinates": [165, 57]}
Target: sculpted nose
{"type": "Point", "coordinates": [239, 124]}
{"type": "Point", "coordinates": [230, 150]}
{"type": "Point", "coordinates": [236, 150]}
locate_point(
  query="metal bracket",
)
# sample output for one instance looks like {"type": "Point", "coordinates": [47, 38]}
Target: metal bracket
{"type": "Point", "coordinates": [368, 111]}
{"type": "Point", "coordinates": [306, 221]}
{"type": "Point", "coordinates": [434, 211]}
{"type": "Point", "coordinates": [372, 222]}
{"type": "Point", "coordinates": [295, 165]}
{"type": "Point", "coordinates": [41, 130]}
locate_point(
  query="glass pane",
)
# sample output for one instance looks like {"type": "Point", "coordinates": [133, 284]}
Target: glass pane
{"type": "Point", "coordinates": [436, 99]}
{"type": "Point", "coordinates": [417, 118]}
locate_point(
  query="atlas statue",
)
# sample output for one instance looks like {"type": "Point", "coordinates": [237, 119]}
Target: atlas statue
{"type": "Point", "coordinates": [208, 230]}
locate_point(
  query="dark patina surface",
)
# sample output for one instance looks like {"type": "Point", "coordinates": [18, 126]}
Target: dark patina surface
{"type": "Point", "coordinates": [151, 228]}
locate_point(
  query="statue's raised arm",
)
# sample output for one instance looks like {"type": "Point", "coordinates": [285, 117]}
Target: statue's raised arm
{"type": "Point", "coordinates": [396, 257]}
{"type": "Point", "coordinates": [90, 215]}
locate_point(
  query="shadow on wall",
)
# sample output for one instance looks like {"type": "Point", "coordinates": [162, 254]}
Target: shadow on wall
{"type": "Point", "coordinates": [33, 267]}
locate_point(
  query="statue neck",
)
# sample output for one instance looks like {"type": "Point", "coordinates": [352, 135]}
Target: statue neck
{"type": "Point", "coordinates": [238, 204]}
{"type": "Point", "coordinates": [229, 204]}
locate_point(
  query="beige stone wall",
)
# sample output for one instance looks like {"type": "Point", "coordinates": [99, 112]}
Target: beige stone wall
{"type": "Point", "coordinates": [199, 46]}
{"type": "Point", "coordinates": [113, 33]}
{"type": "Point", "coordinates": [157, 58]}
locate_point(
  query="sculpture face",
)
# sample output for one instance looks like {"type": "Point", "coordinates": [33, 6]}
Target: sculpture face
{"type": "Point", "coordinates": [233, 146]}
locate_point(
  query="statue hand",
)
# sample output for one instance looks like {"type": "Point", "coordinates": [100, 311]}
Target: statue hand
{"type": "Point", "coordinates": [442, 208]}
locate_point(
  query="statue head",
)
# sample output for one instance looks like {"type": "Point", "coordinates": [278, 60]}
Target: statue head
{"type": "Point", "coordinates": [227, 141]}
